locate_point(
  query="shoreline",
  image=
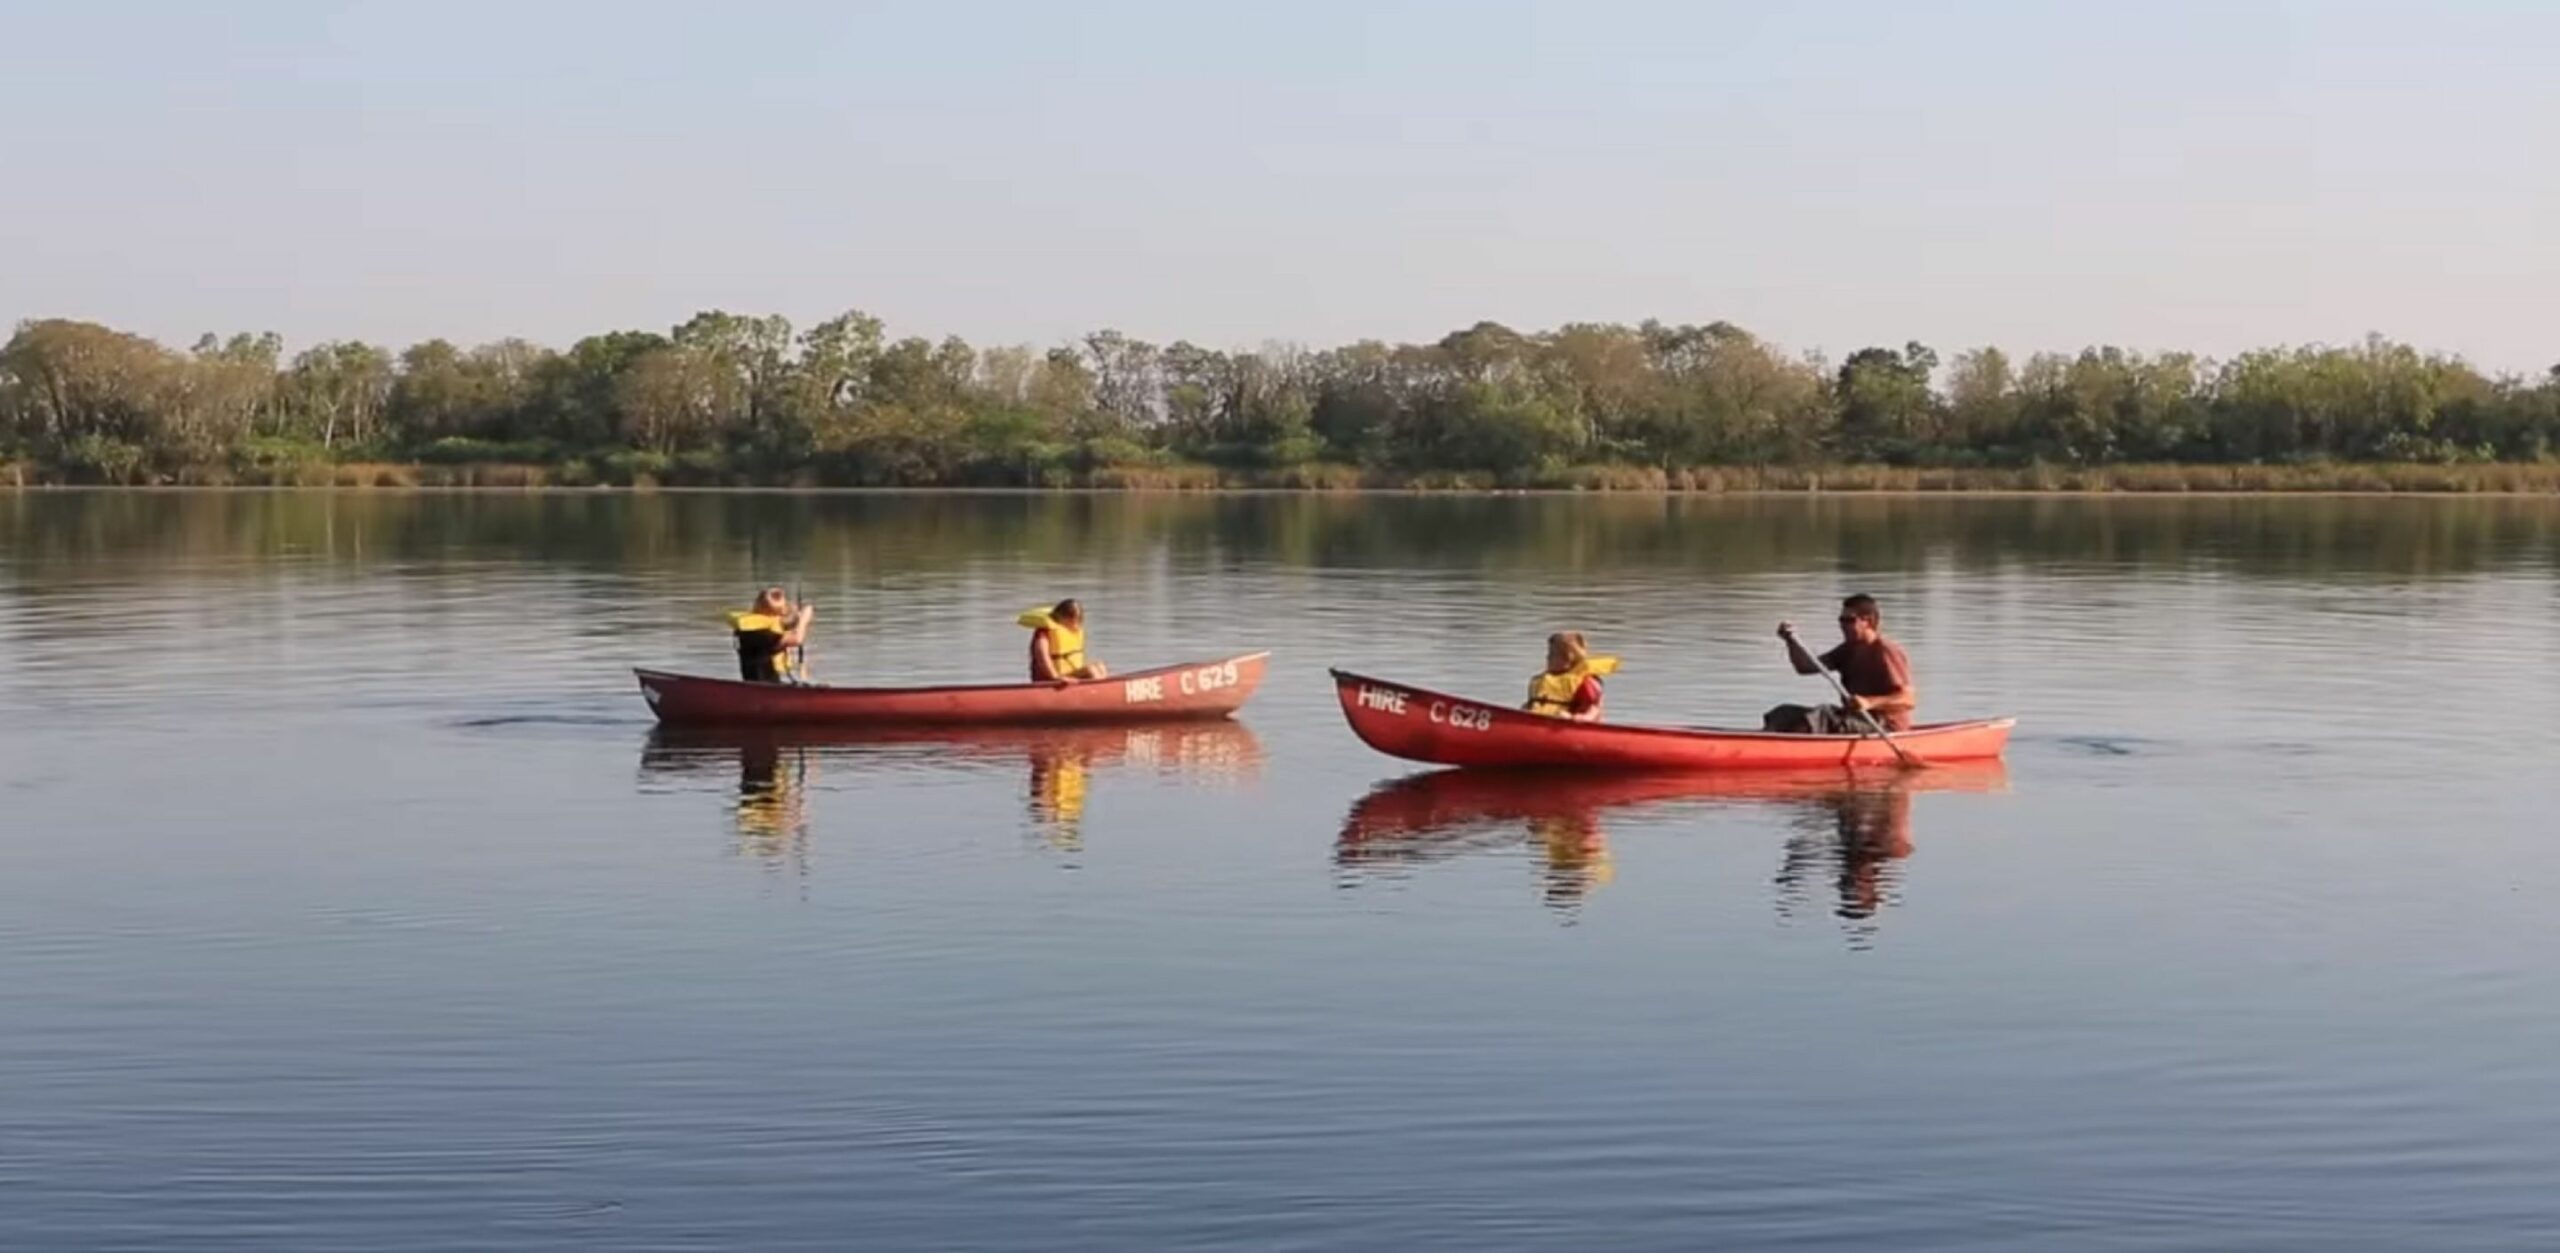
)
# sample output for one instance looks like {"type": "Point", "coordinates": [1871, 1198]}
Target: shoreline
{"type": "Point", "coordinates": [1561, 493]}
{"type": "Point", "coordinates": [2508, 478]}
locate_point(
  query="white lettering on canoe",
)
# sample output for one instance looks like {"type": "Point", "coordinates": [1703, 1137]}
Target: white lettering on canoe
{"type": "Point", "coordinates": [1463, 717]}
{"type": "Point", "coordinates": [1140, 691]}
{"type": "Point", "coordinates": [1209, 678]}
{"type": "Point", "coordinates": [1385, 698]}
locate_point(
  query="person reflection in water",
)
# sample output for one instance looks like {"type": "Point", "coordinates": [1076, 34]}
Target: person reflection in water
{"type": "Point", "coordinates": [1860, 836]}
{"type": "Point", "coordinates": [1058, 782]}
{"type": "Point", "coordinates": [1576, 853]}
{"type": "Point", "coordinates": [773, 807]}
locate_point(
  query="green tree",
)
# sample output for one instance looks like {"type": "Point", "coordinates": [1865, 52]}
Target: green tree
{"type": "Point", "coordinates": [1727, 397]}
{"type": "Point", "coordinates": [337, 390]}
{"type": "Point", "coordinates": [578, 393]}
{"type": "Point", "coordinates": [1887, 410]}
{"type": "Point", "coordinates": [1982, 401]}
{"type": "Point", "coordinates": [679, 397]}
{"type": "Point", "coordinates": [757, 353]}
{"type": "Point", "coordinates": [79, 380]}
{"type": "Point", "coordinates": [1356, 400]}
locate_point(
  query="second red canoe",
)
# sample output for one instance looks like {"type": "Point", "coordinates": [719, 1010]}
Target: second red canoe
{"type": "Point", "coordinates": [1422, 725]}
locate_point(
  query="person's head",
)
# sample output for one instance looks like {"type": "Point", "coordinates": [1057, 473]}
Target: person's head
{"type": "Point", "coordinates": [1860, 619]}
{"type": "Point", "coordinates": [1068, 613]}
{"type": "Point", "coordinates": [773, 600]}
{"type": "Point", "coordinates": [1565, 650]}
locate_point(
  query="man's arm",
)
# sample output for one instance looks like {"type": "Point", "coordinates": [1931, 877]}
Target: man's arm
{"type": "Point", "coordinates": [1803, 658]}
{"type": "Point", "coordinates": [1903, 697]}
{"type": "Point", "coordinates": [1900, 700]}
{"type": "Point", "coordinates": [1044, 664]}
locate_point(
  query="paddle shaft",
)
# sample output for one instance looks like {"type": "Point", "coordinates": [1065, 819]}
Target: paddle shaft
{"type": "Point", "coordinates": [1853, 706]}
{"type": "Point", "coordinates": [799, 651]}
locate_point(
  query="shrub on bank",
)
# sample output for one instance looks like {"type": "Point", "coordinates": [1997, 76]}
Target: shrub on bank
{"type": "Point", "coordinates": [631, 467]}
{"type": "Point", "coordinates": [454, 450]}
{"type": "Point", "coordinates": [1314, 476]}
{"type": "Point", "coordinates": [96, 459]}
{"type": "Point", "coordinates": [1178, 477]}
{"type": "Point", "coordinates": [1614, 478]}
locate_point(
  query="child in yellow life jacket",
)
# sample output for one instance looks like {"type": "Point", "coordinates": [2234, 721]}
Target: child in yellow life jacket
{"type": "Point", "coordinates": [1570, 685]}
{"type": "Point", "coordinates": [1057, 645]}
{"type": "Point", "coordinates": [767, 636]}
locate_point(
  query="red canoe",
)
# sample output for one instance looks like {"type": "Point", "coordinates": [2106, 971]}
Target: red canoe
{"type": "Point", "coordinates": [1421, 725]}
{"type": "Point", "coordinates": [1206, 689]}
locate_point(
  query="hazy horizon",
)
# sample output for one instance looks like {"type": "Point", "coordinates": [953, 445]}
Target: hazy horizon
{"type": "Point", "coordinates": [2198, 177]}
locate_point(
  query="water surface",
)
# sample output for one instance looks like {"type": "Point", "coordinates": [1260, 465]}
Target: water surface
{"type": "Point", "coordinates": [348, 898]}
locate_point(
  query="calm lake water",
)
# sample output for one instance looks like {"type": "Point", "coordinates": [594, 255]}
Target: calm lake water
{"type": "Point", "coordinates": [348, 900]}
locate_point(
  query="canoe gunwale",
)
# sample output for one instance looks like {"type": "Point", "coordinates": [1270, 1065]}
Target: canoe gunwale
{"type": "Point", "coordinates": [947, 689]}
{"type": "Point", "coordinates": [1182, 692]}
{"type": "Point", "coordinates": [1517, 740]}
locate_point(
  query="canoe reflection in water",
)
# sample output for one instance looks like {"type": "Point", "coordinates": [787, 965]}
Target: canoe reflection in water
{"type": "Point", "coordinates": [777, 765]}
{"type": "Point", "coordinates": [1851, 824]}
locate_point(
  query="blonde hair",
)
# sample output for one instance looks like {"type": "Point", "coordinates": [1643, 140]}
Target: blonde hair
{"type": "Point", "coordinates": [1575, 649]}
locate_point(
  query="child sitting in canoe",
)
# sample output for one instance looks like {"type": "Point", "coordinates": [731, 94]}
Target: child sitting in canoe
{"type": "Point", "coordinates": [769, 638]}
{"type": "Point", "coordinates": [1570, 685]}
{"type": "Point", "coordinates": [1057, 645]}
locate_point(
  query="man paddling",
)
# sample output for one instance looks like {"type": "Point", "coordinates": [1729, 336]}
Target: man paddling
{"type": "Point", "coordinates": [1874, 671]}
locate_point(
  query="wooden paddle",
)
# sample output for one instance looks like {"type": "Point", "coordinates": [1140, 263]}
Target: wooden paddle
{"type": "Point", "coordinates": [1861, 710]}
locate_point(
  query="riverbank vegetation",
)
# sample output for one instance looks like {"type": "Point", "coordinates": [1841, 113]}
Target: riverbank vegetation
{"type": "Point", "coordinates": [729, 400]}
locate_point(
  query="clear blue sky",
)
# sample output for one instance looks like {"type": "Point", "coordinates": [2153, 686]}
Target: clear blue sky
{"type": "Point", "coordinates": [2212, 176]}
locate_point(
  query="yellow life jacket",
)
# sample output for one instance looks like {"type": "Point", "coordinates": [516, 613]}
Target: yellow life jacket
{"type": "Point", "coordinates": [748, 625]}
{"type": "Point", "coordinates": [1066, 643]}
{"type": "Point", "coordinates": [1552, 694]}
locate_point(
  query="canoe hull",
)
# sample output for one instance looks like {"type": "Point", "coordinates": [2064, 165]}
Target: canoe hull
{"type": "Point", "coordinates": [1208, 689]}
{"type": "Point", "coordinates": [1422, 725]}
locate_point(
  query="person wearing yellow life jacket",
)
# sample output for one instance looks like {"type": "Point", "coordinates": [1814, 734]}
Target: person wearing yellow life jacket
{"type": "Point", "coordinates": [767, 636]}
{"type": "Point", "coordinates": [1570, 685]}
{"type": "Point", "coordinates": [1057, 645]}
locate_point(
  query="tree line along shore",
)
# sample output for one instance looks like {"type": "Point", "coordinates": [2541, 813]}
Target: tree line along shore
{"type": "Point", "coordinates": [726, 400]}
